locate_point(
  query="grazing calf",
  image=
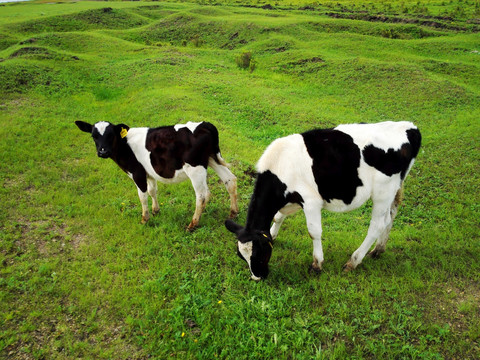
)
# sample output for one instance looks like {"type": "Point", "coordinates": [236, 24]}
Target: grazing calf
{"type": "Point", "coordinates": [169, 154]}
{"type": "Point", "coordinates": [335, 169]}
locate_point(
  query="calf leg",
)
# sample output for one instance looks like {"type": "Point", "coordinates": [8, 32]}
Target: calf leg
{"type": "Point", "coordinates": [383, 238]}
{"type": "Point", "coordinates": [313, 214]}
{"type": "Point", "coordinates": [198, 176]}
{"type": "Point", "coordinates": [230, 182]}
{"type": "Point", "coordinates": [143, 195]}
{"type": "Point", "coordinates": [152, 191]}
{"type": "Point", "coordinates": [381, 218]}
{"type": "Point", "coordinates": [140, 179]}
{"type": "Point", "coordinates": [280, 217]}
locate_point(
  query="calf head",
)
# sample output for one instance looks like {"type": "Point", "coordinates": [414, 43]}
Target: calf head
{"type": "Point", "coordinates": [106, 135]}
{"type": "Point", "coordinates": [254, 246]}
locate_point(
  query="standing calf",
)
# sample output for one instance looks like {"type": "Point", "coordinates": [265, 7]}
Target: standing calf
{"type": "Point", "coordinates": [335, 169]}
{"type": "Point", "coordinates": [169, 154]}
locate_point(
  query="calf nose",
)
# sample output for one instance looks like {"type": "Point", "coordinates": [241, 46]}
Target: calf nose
{"type": "Point", "coordinates": [103, 153]}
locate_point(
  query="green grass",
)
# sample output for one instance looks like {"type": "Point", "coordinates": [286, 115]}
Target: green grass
{"type": "Point", "coordinates": [80, 277]}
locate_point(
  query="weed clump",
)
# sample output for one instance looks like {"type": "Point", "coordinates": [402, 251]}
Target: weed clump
{"type": "Point", "coordinates": [196, 41]}
{"type": "Point", "coordinates": [390, 34]}
{"type": "Point", "coordinates": [245, 61]}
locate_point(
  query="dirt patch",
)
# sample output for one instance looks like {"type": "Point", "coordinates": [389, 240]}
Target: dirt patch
{"type": "Point", "coordinates": [455, 305]}
{"type": "Point", "coordinates": [77, 240]}
{"type": "Point", "coordinates": [169, 61]}
{"type": "Point", "coordinates": [45, 237]}
{"type": "Point", "coordinates": [429, 22]}
{"type": "Point", "coordinates": [302, 66]}
{"type": "Point", "coordinates": [32, 50]}
{"type": "Point", "coordinates": [309, 8]}
{"type": "Point", "coordinates": [29, 41]}
{"type": "Point", "coordinates": [193, 326]}
{"type": "Point", "coordinates": [314, 59]}
{"type": "Point", "coordinates": [48, 237]}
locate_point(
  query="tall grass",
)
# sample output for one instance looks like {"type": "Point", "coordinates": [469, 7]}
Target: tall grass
{"type": "Point", "coordinates": [80, 277]}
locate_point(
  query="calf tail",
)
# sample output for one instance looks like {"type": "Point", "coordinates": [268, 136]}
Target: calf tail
{"type": "Point", "coordinates": [398, 196]}
{"type": "Point", "coordinates": [220, 160]}
{"type": "Point", "coordinates": [216, 155]}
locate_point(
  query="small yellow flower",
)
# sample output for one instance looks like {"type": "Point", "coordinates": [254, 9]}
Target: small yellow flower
{"type": "Point", "coordinates": [219, 301]}
{"type": "Point", "coordinates": [183, 334]}
{"type": "Point", "coordinates": [195, 340]}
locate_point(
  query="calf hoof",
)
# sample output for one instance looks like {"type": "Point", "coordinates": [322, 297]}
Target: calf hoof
{"type": "Point", "coordinates": [316, 267]}
{"type": "Point", "coordinates": [312, 269]}
{"type": "Point", "coordinates": [144, 220]}
{"type": "Point", "coordinates": [348, 267]}
{"type": "Point", "coordinates": [155, 211]}
{"type": "Point", "coordinates": [375, 253]}
{"type": "Point", "coordinates": [233, 214]}
{"type": "Point", "coordinates": [191, 227]}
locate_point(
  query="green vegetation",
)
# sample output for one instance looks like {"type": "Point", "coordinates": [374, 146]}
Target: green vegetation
{"type": "Point", "coordinates": [80, 277]}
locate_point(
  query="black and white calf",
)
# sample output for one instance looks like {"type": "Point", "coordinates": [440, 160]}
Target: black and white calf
{"type": "Point", "coordinates": [335, 169]}
{"type": "Point", "coordinates": [169, 154]}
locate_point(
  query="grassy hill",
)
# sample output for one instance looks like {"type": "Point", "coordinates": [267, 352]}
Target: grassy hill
{"type": "Point", "coordinates": [80, 277]}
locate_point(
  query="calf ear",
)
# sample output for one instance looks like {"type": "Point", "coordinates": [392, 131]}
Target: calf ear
{"type": "Point", "coordinates": [233, 227]}
{"type": "Point", "coordinates": [82, 125]}
{"type": "Point", "coordinates": [119, 127]}
{"type": "Point", "coordinates": [122, 129]}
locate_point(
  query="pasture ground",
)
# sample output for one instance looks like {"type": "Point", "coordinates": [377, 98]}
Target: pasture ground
{"type": "Point", "coordinates": [80, 277]}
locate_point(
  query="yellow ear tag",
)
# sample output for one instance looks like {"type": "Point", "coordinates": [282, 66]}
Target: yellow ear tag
{"type": "Point", "coordinates": [269, 242]}
{"type": "Point", "coordinates": [123, 133]}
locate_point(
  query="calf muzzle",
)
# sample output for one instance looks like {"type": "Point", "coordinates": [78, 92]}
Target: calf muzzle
{"type": "Point", "coordinates": [103, 154]}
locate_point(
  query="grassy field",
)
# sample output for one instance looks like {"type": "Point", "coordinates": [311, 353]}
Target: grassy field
{"type": "Point", "coordinates": [80, 277]}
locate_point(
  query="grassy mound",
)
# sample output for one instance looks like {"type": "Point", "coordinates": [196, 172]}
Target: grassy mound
{"type": "Point", "coordinates": [81, 43]}
{"type": "Point", "coordinates": [39, 53]}
{"type": "Point", "coordinates": [106, 18]}
{"type": "Point", "coordinates": [185, 27]}
{"type": "Point", "coordinates": [203, 28]}
{"type": "Point", "coordinates": [6, 40]}
{"type": "Point", "coordinates": [18, 77]}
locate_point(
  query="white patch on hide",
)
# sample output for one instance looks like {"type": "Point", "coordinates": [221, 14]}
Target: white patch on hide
{"type": "Point", "coordinates": [101, 126]}
{"type": "Point", "coordinates": [384, 135]}
{"type": "Point", "coordinates": [246, 249]}
{"type": "Point", "coordinates": [189, 125]}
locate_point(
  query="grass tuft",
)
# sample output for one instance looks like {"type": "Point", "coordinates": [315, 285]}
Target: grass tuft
{"type": "Point", "coordinates": [245, 61]}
